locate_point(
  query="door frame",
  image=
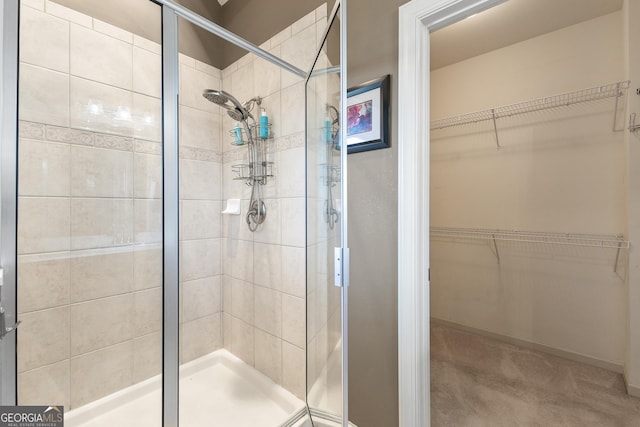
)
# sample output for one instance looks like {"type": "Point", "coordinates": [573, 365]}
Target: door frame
{"type": "Point", "coordinates": [416, 20]}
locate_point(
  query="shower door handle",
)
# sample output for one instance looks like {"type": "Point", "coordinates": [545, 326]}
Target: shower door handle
{"type": "Point", "coordinates": [4, 330]}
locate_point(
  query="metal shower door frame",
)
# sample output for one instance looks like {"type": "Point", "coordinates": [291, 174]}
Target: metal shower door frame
{"type": "Point", "coordinates": [9, 24]}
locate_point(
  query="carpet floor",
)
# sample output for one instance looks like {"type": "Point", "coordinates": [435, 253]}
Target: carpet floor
{"type": "Point", "coordinates": [478, 381]}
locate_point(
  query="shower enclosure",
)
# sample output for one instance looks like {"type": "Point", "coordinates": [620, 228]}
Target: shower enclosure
{"type": "Point", "coordinates": [143, 299]}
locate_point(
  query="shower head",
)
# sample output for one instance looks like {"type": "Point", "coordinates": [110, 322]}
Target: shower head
{"type": "Point", "coordinates": [219, 97]}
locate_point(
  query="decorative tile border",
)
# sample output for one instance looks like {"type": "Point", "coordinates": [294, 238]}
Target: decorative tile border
{"type": "Point", "coordinates": [30, 130]}
{"type": "Point", "coordinates": [68, 135]}
{"type": "Point", "coordinates": [190, 153]}
{"type": "Point", "coordinates": [295, 140]}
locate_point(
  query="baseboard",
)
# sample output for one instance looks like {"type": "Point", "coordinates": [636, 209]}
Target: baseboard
{"type": "Point", "coordinates": [577, 357]}
{"type": "Point", "coordinates": [632, 390]}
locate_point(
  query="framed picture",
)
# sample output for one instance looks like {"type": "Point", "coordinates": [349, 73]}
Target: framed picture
{"type": "Point", "coordinates": [368, 116]}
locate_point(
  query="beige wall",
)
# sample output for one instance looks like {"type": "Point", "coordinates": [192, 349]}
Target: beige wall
{"type": "Point", "coordinates": [373, 223]}
{"type": "Point", "coordinates": [557, 171]}
{"type": "Point", "coordinates": [631, 11]}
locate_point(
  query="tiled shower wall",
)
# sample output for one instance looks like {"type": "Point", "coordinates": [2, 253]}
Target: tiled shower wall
{"type": "Point", "coordinates": [264, 271]}
{"type": "Point", "coordinates": [90, 210]}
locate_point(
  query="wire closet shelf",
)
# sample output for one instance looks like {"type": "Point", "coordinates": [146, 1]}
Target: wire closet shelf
{"type": "Point", "coordinates": [565, 239]}
{"type": "Point", "coordinates": [563, 100]}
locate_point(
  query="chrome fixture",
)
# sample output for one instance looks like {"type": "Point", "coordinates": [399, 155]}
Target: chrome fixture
{"type": "Point", "coordinates": [257, 170]}
{"type": "Point", "coordinates": [331, 214]}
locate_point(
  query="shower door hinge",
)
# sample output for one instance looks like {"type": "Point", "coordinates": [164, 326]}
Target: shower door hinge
{"type": "Point", "coordinates": [341, 267]}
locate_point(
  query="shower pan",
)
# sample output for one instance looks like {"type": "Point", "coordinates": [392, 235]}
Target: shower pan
{"type": "Point", "coordinates": [135, 294]}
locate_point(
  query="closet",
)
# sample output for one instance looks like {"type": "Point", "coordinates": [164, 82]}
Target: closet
{"type": "Point", "coordinates": [528, 201]}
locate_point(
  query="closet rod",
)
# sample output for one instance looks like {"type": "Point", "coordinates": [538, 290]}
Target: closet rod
{"type": "Point", "coordinates": [563, 100]}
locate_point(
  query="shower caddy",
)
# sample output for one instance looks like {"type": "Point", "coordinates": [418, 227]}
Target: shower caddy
{"type": "Point", "coordinates": [258, 168]}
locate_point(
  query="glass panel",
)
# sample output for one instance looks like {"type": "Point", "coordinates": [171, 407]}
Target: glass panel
{"type": "Point", "coordinates": [324, 221]}
{"type": "Point", "coordinates": [90, 211]}
{"type": "Point", "coordinates": [243, 230]}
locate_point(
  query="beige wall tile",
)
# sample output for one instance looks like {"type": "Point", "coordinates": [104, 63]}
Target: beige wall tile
{"type": "Point", "coordinates": [101, 323]}
{"type": "Point", "coordinates": [226, 293]}
{"type": "Point", "coordinates": [292, 105]}
{"type": "Point", "coordinates": [43, 225]}
{"type": "Point", "coordinates": [63, 12]}
{"type": "Point", "coordinates": [209, 69]}
{"type": "Point", "coordinates": [99, 223]}
{"type": "Point", "coordinates": [200, 180]}
{"type": "Point", "coordinates": [147, 181]}
{"type": "Point", "coordinates": [200, 258]}
{"type": "Point", "coordinates": [293, 372]}
{"type": "Point", "coordinates": [43, 338]}
{"type": "Point", "coordinates": [242, 80]}
{"type": "Point", "coordinates": [98, 274]}
{"type": "Point", "coordinates": [148, 217]}
{"type": "Point", "coordinates": [44, 96]}
{"type": "Point", "coordinates": [43, 282]}
{"type": "Point", "coordinates": [147, 357]}
{"type": "Point", "coordinates": [200, 219]}
{"type": "Point", "coordinates": [101, 107]}
{"type": "Point", "coordinates": [147, 311]}
{"type": "Point", "coordinates": [266, 77]}
{"type": "Point", "coordinates": [304, 22]}
{"type": "Point", "coordinates": [269, 230]}
{"type": "Point", "coordinates": [200, 129]}
{"type": "Point", "coordinates": [147, 266]}
{"type": "Point", "coordinates": [201, 298]}
{"type": "Point", "coordinates": [101, 58]}
{"type": "Point", "coordinates": [48, 385]}
{"type": "Point", "coordinates": [291, 173]}
{"type": "Point", "coordinates": [238, 256]}
{"type": "Point", "coordinates": [147, 44]}
{"type": "Point", "coordinates": [36, 4]}
{"type": "Point", "coordinates": [112, 31]}
{"type": "Point", "coordinates": [242, 338]}
{"type": "Point", "coordinates": [96, 172]}
{"type": "Point", "coordinates": [192, 83]}
{"type": "Point", "coordinates": [293, 278]}
{"type": "Point", "coordinates": [268, 265]}
{"type": "Point", "coordinates": [268, 310]}
{"type": "Point", "coordinates": [43, 169]}
{"type": "Point", "coordinates": [293, 221]}
{"type": "Point", "coordinates": [293, 320]}
{"type": "Point", "coordinates": [147, 72]}
{"type": "Point", "coordinates": [115, 372]}
{"type": "Point", "coordinates": [200, 337]}
{"type": "Point", "coordinates": [269, 355]}
{"type": "Point", "coordinates": [227, 321]}
{"type": "Point", "coordinates": [147, 117]}
{"type": "Point", "coordinates": [44, 40]}
{"type": "Point", "coordinates": [242, 300]}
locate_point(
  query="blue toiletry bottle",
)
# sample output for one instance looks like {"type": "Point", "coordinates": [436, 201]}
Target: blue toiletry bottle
{"type": "Point", "coordinates": [327, 129]}
{"type": "Point", "coordinates": [238, 132]}
{"type": "Point", "coordinates": [264, 125]}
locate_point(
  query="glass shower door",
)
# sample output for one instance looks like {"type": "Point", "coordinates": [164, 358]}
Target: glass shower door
{"type": "Point", "coordinates": [89, 234]}
{"type": "Point", "coordinates": [327, 261]}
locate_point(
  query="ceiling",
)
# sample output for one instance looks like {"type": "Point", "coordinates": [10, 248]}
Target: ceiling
{"type": "Point", "coordinates": [511, 22]}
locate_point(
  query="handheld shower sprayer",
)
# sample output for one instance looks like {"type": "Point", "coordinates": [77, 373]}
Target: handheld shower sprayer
{"type": "Point", "coordinates": [257, 163]}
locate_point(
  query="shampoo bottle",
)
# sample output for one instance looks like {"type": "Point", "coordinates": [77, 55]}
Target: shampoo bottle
{"type": "Point", "coordinates": [238, 133]}
{"type": "Point", "coordinates": [264, 125]}
{"type": "Point", "coordinates": [327, 129]}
